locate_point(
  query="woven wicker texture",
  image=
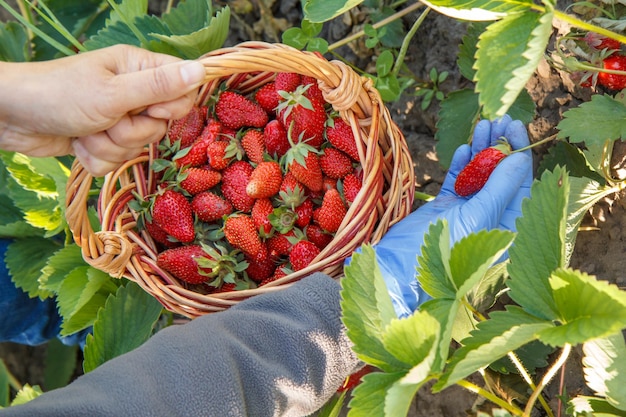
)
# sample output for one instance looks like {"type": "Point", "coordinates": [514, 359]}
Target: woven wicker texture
{"type": "Point", "coordinates": [386, 197]}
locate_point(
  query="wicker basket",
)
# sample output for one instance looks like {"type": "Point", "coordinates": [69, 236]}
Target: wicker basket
{"type": "Point", "coordinates": [122, 250]}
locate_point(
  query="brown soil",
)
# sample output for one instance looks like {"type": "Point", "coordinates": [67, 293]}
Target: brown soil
{"type": "Point", "coordinates": [599, 249]}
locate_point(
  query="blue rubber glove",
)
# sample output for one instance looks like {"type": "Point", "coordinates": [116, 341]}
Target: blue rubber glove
{"type": "Point", "coordinates": [497, 205]}
{"type": "Point", "coordinates": [28, 321]}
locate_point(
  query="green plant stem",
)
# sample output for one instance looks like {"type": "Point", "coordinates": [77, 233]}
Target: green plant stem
{"type": "Point", "coordinates": [491, 397]}
{"type": "Point", "coordinates": [13, 382]}
{"type": "Point", "coordinates": [407, 40]}
{"type": "Point", "coordinates": [520, 367]}
{"type": "Point", "coordinates": [546, 378]}
{"type": "Point", "coordinates": [424, 196]}
{"type": "Point", "coordinates": [24, 11]}
{"type": "Point", "coordinates": [52, 20]}
{"type": "Point", "coordinates": [383, 22]}
{"type": "Point", "coordinates": [142, 39]}
{"type": "Point", "coordinates": [533, 145]}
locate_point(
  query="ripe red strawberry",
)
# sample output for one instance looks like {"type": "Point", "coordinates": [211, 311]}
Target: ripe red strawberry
{"type": "Point", "coordinates": [172, 212]}
{"type": "Point", "coordinates": [351, 186]}
{"type": "Point", "coordinates": [303, 117]}
{"type": "Point", "coordinates": [354, 379]}
{"type": "Point", "coordinates": [253, 144]}
{"type": "Point", "coordinates": [187, 128]}
{"type": "Point", "coordinates": [234, 182]}
{"type": "Point", "coordinates": [268, 98]}
{"type": "Point", "coordinates": [159, 235]}
{"type": "Point", "coordinates": [313, 91]}
{"type": "Point", "coordinates": [280, 271]}
{"type": "Point", "coordinates": [276, 139]}
{"type": "Point", "coordinates": [332, 211]}
{"type": "Point", "coordinates": [194, 155]}
{"type": "Point", "coordinates": [476, 173]}
{"type": "Point", "coordinates": [260, 268]}
{"type": "Point", "coordinates": [328, 183]}
{"type": "Point", "coordinates": [340, 135]}
{"type": "Point", "coordinates": [309, 172]}
{"type": "Point", "coordinates": [194, 180]}
{"type": "Point", "coordinates": [260, 215]}
{"type": "Point", "coordinates": [287, 81]}
{"type": "Point", "coordinates": [613, 81]}
{"type": "Point", "coordinates": [182, 262]}
{"type": "Point", "coordinates": [305, 213]}
{"type": "Point", "coordinates": [302, 254]}
{"type": "Point", "coordinates": [600, 42]}
{"type": "Point", "coordinates": [335, 163]}
{"type": "Point", "coordinates": [236, 111]}
{"type": "Point", "coordinates": [280, 244]}
{"type": "Point", "coordinates": [222, 152]}
{"type": "Point", "coordinates": [265, 180]}
{"type": "Point", "coordinates": [241, 233]}
{"type": "Point", "coordinates": [317, 235]}
{"type": "Point", "coordinates": [210, 207]}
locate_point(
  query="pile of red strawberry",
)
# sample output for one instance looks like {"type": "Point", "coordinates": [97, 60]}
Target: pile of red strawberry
{"type": "Point", "coordinates": [251, 187]}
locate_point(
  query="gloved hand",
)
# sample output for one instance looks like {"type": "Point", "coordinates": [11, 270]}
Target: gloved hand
{"type": "Point", "coordinates": [497, 205]}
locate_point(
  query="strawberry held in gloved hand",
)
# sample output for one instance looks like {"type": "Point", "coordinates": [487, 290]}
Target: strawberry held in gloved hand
{"type": "Point", "coordinates": [496, 205]}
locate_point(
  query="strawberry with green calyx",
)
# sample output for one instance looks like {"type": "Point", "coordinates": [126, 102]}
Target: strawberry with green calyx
{"type": "Point", "coordinates": [236, 111]}
{"type": "Point", "coordinates": [235, 180]}
{"type": "Point", "coordinates": [340, 135]}
{"type": "Point", "coordinates": [302, 254]}
{"type": "Point", "coordinates": [282, 219]}
{"type": "Point", "coordinates": [210, 207]}
{"type": "Point", "coordinates": [265, 180]}
{"type": "Point", "coordinates": [225, 264]}
{"type": "Point", "coordinates": [302, 161]}
{"type": "Point", "coordinates": [241, 233]}
{"type": "Point", "coordinates": [221, 153]}
{"type": "Point", "coordinates": [304, 116]}
{"type": "Point", "coordinates": [313, 91]}
{"type": "Point", "coordinates": [172, 212]}
{"type": "Point", "coordinates": [281, 270]}
{"type": "Point", "coordinates": [183, 263]}
{"type": "Point", "coordinates": [261, 210]}
{"type": "Point", "coordinates": [475, 174]}
{"type": "Point", "coordinates": [613, 81]}
{"type": "Point", "coordinates": [279, 245]}
{"type": "Point", "coordinates": [332, 211]}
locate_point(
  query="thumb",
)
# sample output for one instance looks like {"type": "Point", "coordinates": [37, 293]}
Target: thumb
{"type": "Point", "coordinates": [160, 84]}
{"type": "Point", "coordinates": [503, 185]}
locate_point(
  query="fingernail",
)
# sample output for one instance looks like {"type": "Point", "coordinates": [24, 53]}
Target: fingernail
{"type": "Point", "coordinates": [192, 72]}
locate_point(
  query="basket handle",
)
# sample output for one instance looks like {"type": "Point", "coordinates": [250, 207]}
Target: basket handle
{"type": "Point", "coordinates": [108, 251]}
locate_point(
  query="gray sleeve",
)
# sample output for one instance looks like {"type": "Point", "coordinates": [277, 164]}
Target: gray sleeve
{"type": "Point", "coordinates": [277, 354]}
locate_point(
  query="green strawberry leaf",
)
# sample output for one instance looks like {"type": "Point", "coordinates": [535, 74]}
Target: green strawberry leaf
{"type": "Point", "coordinates": [602, 357]}
{"type": "Point", "coordinates": [516, 43]}
{"type": "Point", "coordinates": [583, 406]}
{"type": "Point", "coordinates": [25, 258]}
{"type": "Point", "coordinates": [13, 43]}
{"type": "Point", "coordinates": [587, 308]}
{"type": "Point", "coordinates": [126, 322]}
{"type": "Point", "coordinates": [467, 49]}
{"type": "Point", "coordinates": [26, 393]}
{"type": "Point", "coordinates": [59, 265]}
{"type": "Point", "coordinates": [37, 188]}
{"type": "Point", "coordinates": [5, 386]}
{"type": "Point", "coordinates": [540, 245]}
{"type": "Point", "coordinates": [458, 114]}
{"type": "Point", "coordinates": [83, 292]}
{"type": "Point", "coordinates": [60, 364]}
{"type": "Point", "coordinates": [484, 294]}
{"type": "Point", "coordinates": [504, 332]}
{"type": "Point", "coordinates": [604, 119]}
{"type": "Point", "coordinates": [209, 34]}
{"type": "Point", "coordinates": [570, 156]}
{"type": "Point", "coordinates": [367, 310]}
{"type": "Point", "coordinates": [369, 398]}
{"type": "Point", "coordinates": [479, 9]}
{"type": "Point", "coordinates": [321, 11]}
{"type": "Point", "coordinates": [533, 356]}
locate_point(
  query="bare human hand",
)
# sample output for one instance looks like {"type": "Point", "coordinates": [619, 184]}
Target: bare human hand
{"type": "Point", "coordinates": [103, 106]}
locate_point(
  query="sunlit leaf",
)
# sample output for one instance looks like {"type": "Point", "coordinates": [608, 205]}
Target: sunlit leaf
{"type": "Point", "coordinates": [322, 11]}
{"type": "Point", "coordinates": [605, 369]}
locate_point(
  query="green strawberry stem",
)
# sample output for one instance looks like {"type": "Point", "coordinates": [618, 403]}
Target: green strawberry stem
{"type": "Point", "coordinates": [532, 145]}
{"type": "Point", "coordinates": [423, 196]}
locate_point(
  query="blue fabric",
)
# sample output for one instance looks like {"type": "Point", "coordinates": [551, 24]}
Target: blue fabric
{"type": "Point", "coordinates": [28, 321]}
{"type": "Point", "coordinates": [497, 205]}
